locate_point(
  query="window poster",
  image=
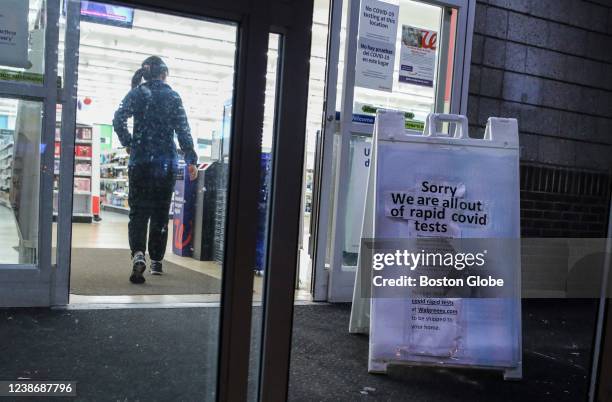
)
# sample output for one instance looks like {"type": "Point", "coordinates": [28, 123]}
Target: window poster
{"type": "Point", "coordinates": [376, 45]}
{"type": "Point", "coordinates": [418, 56]}
{"type": "Point", "coordinates": [14, 33]}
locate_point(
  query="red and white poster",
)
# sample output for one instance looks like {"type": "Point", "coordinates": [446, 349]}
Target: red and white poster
{"type": "Point", "coordinates": [418, 56]}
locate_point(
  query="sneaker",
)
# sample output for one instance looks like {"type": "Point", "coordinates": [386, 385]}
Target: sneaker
{"type": "Point", "coordinates": [156, 268]}
{"type": "Point", "coordinates": [138, 267]}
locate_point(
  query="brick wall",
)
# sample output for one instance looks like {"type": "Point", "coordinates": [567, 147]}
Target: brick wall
{"type": "Point", "coordinates": [549, 64]}
{"type": "Point", "coordinates": [563, 202]}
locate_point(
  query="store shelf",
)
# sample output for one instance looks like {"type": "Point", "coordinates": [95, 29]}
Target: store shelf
{"type": "Point", "coordinates": [116, 208]}
{"type": "Point", "coordinates": [113, 165]}
{"type": "Point", "coordinates": [118, 152]}
{"type": "Point", "coordinates": [6, 172]}
{"type": "Point", "coordinates": [75, 192]}
{"type": "Point", "coordinates": [78, 158]}
{"type": "Point", "coordinates": [56, 173]}
{"type": "Point", "coordinates": [78, 217]}
{"type": "Point", "coordinates": [114, 179]}
{"type": "Point", "coordinates": [85, 173]}
{"type": "Point", "coordinates": [81, 214]}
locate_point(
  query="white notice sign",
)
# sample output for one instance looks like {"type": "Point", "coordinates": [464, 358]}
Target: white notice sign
{"type": "Point", "coordinates": [435, 195]}
{"type": "Point", "coordinates": [376, 45]}
{"type": "Point", "coordinates": [418, 56]}
{"type": "Point", "coordinates": [14, 33]}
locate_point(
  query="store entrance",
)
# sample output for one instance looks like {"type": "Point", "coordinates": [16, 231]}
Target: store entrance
{"type": "Point", "coordinates": [198, 56]}
{"type": "Point", "coordinates": [341, 168]}
{"type": "Point", "coordinates": [64, 185]}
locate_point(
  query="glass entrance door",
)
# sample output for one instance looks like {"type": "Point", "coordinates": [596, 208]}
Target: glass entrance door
{"type": "Point", "coordinates": [426, 73]}
{"type": "Point", "coordinates": [41, 114]}
{"type": "Point", "coordinates": [117, 205]}
{"type": "Point", "coordinates": [28, 93]}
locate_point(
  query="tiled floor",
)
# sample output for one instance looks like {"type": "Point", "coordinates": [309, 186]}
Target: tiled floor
{"type": "Point", "coordinates": [9, 238]}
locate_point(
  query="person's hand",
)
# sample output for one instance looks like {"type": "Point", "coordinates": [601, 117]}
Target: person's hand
{"type": "Point", "coordinates": [193, 172]}
{"type": "Point", "coordinates": [127, 149]}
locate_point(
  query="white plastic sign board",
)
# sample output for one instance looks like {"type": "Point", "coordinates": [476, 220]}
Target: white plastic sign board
{"type": "Point", "coordinates": [418, 56]}
{"type": "Point", "coordinates": [14, 33]}
{"type": "Point", "coordinates": [476, 186]}
{"type": "Point", "coordinates": [376, 45]}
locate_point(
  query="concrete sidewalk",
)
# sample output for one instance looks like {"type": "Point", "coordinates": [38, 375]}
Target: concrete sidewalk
{"type": "Point", "coordinates": [170, 354]}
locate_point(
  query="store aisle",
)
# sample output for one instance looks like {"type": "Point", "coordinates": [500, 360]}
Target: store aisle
{"type": "Point", "coordinates": [110, 232]}
{"type": "Point", "coordinates": [9, 237]}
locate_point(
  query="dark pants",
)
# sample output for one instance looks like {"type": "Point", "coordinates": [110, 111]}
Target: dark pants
{"type": "Point", "coordinates": [150, 194]}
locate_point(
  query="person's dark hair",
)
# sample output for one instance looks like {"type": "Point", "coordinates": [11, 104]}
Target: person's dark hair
{"type": "Point", "coordinates": [153, 67]}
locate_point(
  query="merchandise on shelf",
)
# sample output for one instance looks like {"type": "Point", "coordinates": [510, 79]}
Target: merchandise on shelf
{"type": "Point", "coordinates": [82, 184]}
{"type": "Point", "coordinates": [84, 172]}
{"type": "Point", "coordinates": [82, 151]}
{"type": "Point", "coordinates": [83, 134]}
{"type": "Point", "coordinates": [82, 168]}
{"type": "Point", "coordinates": [6, 168]}
{"type": "Point", "coordinates": [114, 185]}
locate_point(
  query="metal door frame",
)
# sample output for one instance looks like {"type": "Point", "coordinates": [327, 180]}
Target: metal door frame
{"type": "Point", "coordinates": [320, 274]}
{"type": "Point", "coordinates": [26, 285]}
{"type": "Point", "coordinates": [602, 358]}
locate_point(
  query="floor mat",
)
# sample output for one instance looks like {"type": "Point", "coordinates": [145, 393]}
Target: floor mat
{"type": "Point", "coordinates": [105, 272]}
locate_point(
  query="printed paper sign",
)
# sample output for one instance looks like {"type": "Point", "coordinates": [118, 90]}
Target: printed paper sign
{"type": "Point", "coordinates": [376, 45]}
{"type": "Point", "coordinates": [435, 327]}
{"type": "Point", "coordinates": [14, 33]}
{"type": "Point", "coordinates": [418, 56]}
{"type": "Point", "coordinates": [435, 206]}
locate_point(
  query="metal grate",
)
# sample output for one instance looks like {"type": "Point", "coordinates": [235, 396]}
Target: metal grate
{"type": "Point", "coordinates": [562, 180]}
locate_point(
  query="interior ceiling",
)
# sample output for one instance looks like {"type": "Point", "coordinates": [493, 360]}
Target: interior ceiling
{"type": "Point", "coordinates": [200, 56]}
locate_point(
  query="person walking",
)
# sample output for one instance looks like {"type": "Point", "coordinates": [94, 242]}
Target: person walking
{"type": "Point", "coordinates": [158, 115]}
